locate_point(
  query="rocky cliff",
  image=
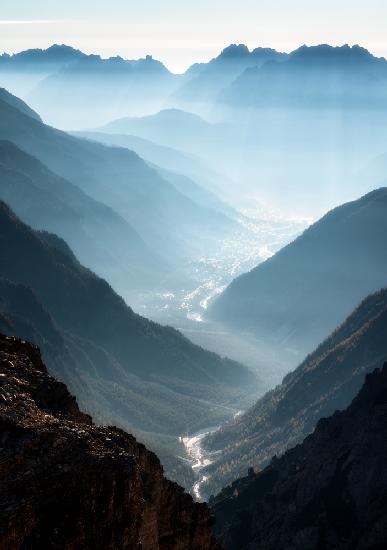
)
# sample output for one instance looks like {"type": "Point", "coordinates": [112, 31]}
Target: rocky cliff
{"type": "Point", "coordinates": [67, 483]}
{"type": "Point", "coordinates": [329, 492]}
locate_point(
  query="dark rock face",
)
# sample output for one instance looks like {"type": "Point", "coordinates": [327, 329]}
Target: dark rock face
{"type": "Point", "coordinates": [66, 483]}
{"type": "Point", "coordinates": [328, 492]}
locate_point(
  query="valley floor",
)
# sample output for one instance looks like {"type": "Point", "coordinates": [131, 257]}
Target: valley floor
{"type": "Point", "coordinates": [185, 307]}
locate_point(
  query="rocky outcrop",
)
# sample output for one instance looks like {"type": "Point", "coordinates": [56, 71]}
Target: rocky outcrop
{"type": "Point", "coordinates": [329, 492]}
{"type": "Point", "coordinates": [67, 483]}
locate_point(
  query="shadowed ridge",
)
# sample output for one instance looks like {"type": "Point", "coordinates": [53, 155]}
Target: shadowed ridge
{"type": "Point", "coordinates": [328, 492]}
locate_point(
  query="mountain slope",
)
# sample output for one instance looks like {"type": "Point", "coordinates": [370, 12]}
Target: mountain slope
{"type": "Point", "coordinates": [170, 127]}
{"type": "Point", "coordinates": [328, 492]}
{"type": "Point", "coordinates": [186, 172]}
{"type": "Point", "coordinates": [101, 238]}
{"type": "Point", "coordinates": [77, 485]}
{"type": "Point", "coordinates": [327, 380]}
{"type": "Point", "coordinates": [297, 297]}
{"type": "Point", "coordinates": [18, 104]}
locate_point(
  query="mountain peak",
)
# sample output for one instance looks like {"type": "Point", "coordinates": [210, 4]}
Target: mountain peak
{"type": "Point", "coordinates": [234, 51]}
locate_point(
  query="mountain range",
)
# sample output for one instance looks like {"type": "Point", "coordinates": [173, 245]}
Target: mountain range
{"type": "Point", "coordinates": [313, 77]}
{"type": "Point", "coordinates": [89, 87]}
{"type": "Point", "coordinates": [157, 190]}
{"type": "Point", "coordinates": [310, 76]}
{"type": "Point", "coordinates": [101, 89]}
{"type": "Point", "coordinates": [21, 72]}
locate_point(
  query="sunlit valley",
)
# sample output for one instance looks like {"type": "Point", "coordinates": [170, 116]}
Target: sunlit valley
{"type": "Point", "coordinates": [201, 259]}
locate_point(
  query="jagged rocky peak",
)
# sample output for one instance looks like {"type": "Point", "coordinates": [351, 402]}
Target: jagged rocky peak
{"type": "Point", "coordinates": [329, 492]}
{"type": "Point", "coordinates": [235, 50]}
{"type": "Point", "coordinates": [67, 483]}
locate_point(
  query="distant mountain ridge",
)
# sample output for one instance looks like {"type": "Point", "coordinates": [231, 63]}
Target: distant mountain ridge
{"type": "Point", "coordinates": [170, 159]}
{"type": "Point", "coordinates": [204, 81]}
{"type": "Point", "coordinates": [62, 54]}
{"type": "Point", "coordinates": [172, 127]}
{"type": "Point", "coordinates": [313, 76]}
{"type": "Point", "coordinates": [93, 90]}
{"type": "Point", "coordinates": [57, 53]}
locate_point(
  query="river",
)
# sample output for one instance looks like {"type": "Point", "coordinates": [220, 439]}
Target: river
{"type": "Point", "coordinates": [200, 458]}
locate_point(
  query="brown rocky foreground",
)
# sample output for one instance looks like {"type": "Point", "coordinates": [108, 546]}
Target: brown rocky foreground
{"type": "Point", "coordinates": [69, 484]}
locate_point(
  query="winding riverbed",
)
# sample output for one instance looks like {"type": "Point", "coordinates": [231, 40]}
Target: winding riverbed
{"type": "Point", "coordinates": [199, 457]}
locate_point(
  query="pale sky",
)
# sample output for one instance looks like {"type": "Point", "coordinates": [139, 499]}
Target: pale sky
{"type": "Point", "coordinates": [180, 32]}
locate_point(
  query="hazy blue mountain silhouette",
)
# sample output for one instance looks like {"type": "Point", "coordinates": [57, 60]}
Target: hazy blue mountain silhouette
{"type": "Point", "coordinates": [56, 56]}
{"type": "Point", "coordinates": [172, 128]}
{"type": "Point", "coordinates": [189, 174]}
{"type": "Point", "coordinates": [21, 72]}
{"type": "Point", "coordinates": [100, 237]}
{"type": "Point", "coordinates": [92, 90]}
{"type": "Point", "coordinates": [313, 76]}
{"type": "Point", "coordinates": [204, 81]}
